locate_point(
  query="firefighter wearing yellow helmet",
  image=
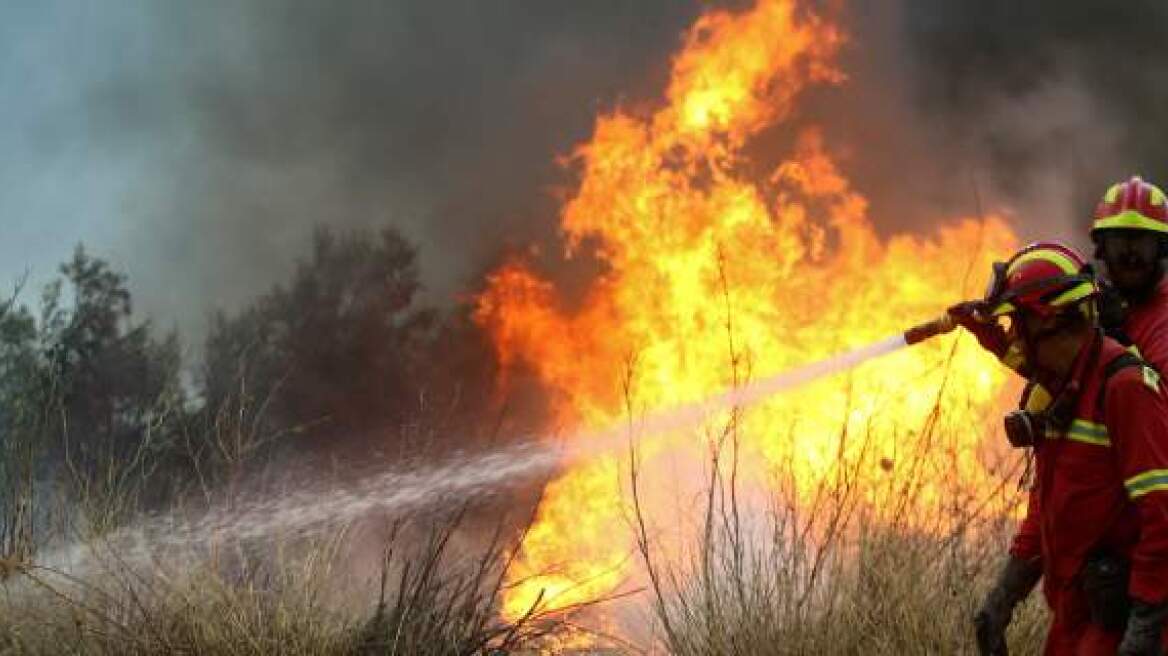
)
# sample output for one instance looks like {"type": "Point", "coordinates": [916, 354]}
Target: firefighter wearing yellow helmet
{"type": "Point", "coordinates": [1130, 232]}
{"type": "Point", "coordinates": [1096, 526]}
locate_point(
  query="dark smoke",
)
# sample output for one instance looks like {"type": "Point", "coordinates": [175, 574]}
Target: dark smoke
{"type": "Point", "coordinates": [254, 121]}
{"type": "Point", "coordinates": [1046, 89]}
{"type": "Point", "coordinates": [444, 118]}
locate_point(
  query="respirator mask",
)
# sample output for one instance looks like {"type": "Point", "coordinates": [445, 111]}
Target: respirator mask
{"type": "Point", "coordinates": [1026, 426]}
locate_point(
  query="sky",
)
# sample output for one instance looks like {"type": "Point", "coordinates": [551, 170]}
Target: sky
{"type": "Point", "coordinates": [196, 145]}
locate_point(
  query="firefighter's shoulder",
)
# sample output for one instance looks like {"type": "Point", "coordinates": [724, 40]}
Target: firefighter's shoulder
{"type": "Point", "coordinates": [1136, 376]}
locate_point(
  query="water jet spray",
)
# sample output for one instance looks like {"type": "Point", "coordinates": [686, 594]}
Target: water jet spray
{"type": "Point", "coordinates": [399, 491]}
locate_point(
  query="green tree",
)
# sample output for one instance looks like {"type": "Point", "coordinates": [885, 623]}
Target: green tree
{"type": "Point", "coordinates": [23, 417]}
{"type": "Point", "coordinates": [89, 398]}
{"type": "Point", "coordinates": [116, 378]}
{"type": "Point", "coordinates": [339, 351]}
{"type": "Point", "coordinates": [117, 388]}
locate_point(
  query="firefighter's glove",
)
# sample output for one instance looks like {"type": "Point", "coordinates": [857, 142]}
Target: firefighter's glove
{"type": "Point", "coordinates": [1145, 627]}
{"type": "Point", "coordinates": [1014, 583]}
{"type": "Point", "coordinates": [989, 334]}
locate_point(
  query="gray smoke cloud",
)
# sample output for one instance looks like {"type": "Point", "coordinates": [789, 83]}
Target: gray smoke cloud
{"type": "Point", "coordinates": [1055, 100]}
{"type": "Point", "coordinates": [1026, 108]}
{"type": "Point", "coordinates": [196, 144]}
{"type": "Point", "coordinates": [202, 141]}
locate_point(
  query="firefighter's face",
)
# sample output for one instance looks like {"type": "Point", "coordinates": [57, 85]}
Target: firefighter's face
{"type": "Point", "coordinates": [1033, 332]}
{"type": "Point", "coordinates": [1132, 259]}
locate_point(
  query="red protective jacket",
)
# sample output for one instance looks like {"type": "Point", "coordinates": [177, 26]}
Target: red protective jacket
{"type": "Point", "coordinates": [1103, 484]}
{"type": "Point", "coordinates": [1147, 326]}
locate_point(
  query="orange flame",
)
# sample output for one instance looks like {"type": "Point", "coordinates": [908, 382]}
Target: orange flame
{"type": "Point", "coordinates": [711, 276]}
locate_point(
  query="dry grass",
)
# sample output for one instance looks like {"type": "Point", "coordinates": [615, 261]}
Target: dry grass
{"type": "Point", "coordinates": [121, 610]}
{"type": "Point", "coordinates": [839, 571]}
{"type": "Point", "coordinates": [437, 589]}
{"type": "Point", "coordinates": [823, 578]}
{"type": "Point", "coordinates": [296, 600]}
{"type": "Point", "coordinates": [884, 593]}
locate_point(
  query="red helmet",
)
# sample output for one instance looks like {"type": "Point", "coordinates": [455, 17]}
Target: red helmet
{"type": "Point", "coordinates": [1043, 278]}
{"type": "Point", "coordinates": [1131, 205]}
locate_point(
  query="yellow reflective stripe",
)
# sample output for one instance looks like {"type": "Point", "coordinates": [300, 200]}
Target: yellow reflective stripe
{"type": "Point", "coordinates": [1112, 193]}
{"type": "Point", "coordinates": [1056, 258]}
{"type": "Point", "coordinates": [1088, 432]}
{"type": "Point", "coordinates": [1151, 378]}
{"type": "Point", "coordinates": [1163, 485]}
{"type": "Point", "coordinates": [1073, 294]}
{"type": "Point", "coordinates": [1149, 481]}
{"type": "Point", "coordinates": [1004, 308]}
{"type": "Point", "coordinates": [1090, 426]}
{"type": "Point", "coordinates": [1038, 400]}
{"type": "Point", "coordinates": [1130, 219]}
{"type": "Point", "coordinates": [1014, 358]}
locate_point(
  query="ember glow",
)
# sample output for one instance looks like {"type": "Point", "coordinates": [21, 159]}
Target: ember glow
{"type": "Point", "coordinates": [715, 274]}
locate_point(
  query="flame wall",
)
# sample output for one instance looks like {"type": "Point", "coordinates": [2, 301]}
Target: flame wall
{"type": "Point", "coordinates": [714, 273]}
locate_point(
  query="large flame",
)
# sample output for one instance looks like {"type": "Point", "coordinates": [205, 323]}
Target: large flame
{"type": "Point", "coordinates": [714, 273]}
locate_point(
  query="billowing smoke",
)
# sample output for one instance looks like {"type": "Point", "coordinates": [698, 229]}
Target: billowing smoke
{"type": "Point", "coordinates": [1029, 108]}
{"type": "Point", "coordinates": [226, 130]}
{"type": "Point", "coordinates": [443, 118]}
{"type": "Point", "coordinates": [1054, 99]}
{"type": "Point", "coordinates": [195, 144]}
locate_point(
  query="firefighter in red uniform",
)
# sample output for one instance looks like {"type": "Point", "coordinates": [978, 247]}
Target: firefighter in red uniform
{"type": "Point", "coordinates": [1096, 527]}
{"type": "Point", "coordinates": [1130, 233]}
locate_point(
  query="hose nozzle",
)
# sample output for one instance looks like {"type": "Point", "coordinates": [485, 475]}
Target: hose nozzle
{"type": "Point", "coordinates": [939, 326]}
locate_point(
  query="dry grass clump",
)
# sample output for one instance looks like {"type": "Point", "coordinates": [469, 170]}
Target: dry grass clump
{"type": "Point", "coordinates": [431, 600]}
{"type": "Point", "coordinates": [855, 567]}
{"type": "Point", "coordinates": [200, 611]}
{"type": "Point", "coordinates": [432, 605]}
{"type": "Point", "coordinates": [890, 595]}
{"type": "Point", "coordinates": [857, 586]}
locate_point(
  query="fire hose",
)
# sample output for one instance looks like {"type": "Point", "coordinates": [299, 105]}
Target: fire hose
{"type": "Point", "coordinates": [929, 329]}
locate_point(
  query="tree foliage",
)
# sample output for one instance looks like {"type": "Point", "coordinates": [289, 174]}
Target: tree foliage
{"type": "Point", "coordinates": [116, 381]}
{"type": "Point", "coordinates": [341, 350]}
{"type": "Point", "coordinates": [90, 401]}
